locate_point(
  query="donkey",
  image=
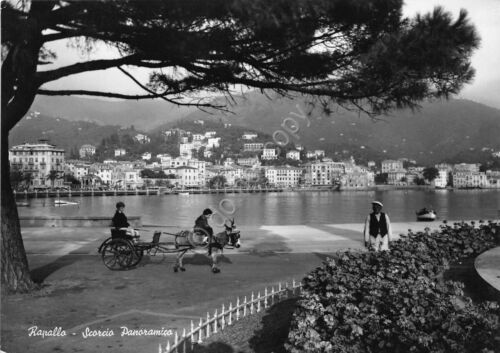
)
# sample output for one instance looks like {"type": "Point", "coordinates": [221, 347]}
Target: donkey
{"type": "Point", "coordinates": [188, 240]}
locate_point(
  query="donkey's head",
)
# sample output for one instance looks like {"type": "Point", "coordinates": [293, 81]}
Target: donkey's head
{"type": "Point", "coordinates": [233, 233]}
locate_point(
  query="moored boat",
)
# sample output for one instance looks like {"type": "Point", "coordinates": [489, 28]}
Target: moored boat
{"type": "Point", "coordinates": [64, 203]}
{"type": "Point", "coordinates": [426, 215]}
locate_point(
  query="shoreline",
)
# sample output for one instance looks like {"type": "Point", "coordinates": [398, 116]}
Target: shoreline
{"type": "Point", "coordinates": [158, 192]}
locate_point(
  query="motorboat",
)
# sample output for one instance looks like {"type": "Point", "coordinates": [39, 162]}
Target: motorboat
{"type": "Point", "coordinates": [184, 193]}
{"type": "Point", "coordinates": [64, 203]}
{"type": "Point", "coordinates": [426, 214]}
{"type": "Point", "coordinates": [22, 204]}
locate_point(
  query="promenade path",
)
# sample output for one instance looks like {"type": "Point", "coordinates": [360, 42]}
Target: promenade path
{"type": "Point", "coordinates": [80, 294]}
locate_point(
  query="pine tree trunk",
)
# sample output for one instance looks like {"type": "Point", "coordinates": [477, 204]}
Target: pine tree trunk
{"type": "Point", "coordinates": [14, 263]}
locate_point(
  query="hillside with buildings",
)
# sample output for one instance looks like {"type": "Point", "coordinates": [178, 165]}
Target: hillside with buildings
{"type": "Point", "coordinates": [436, 132]}
{"type": "Point", "coordinates": [203, 153]}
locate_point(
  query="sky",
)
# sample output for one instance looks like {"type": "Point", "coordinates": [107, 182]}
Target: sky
{"type": "Point", "coordinates": [485, 88]}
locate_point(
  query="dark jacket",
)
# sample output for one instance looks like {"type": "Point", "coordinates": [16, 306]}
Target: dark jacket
{"type": "Point", "coordinates": [120, 220]}
{"type": "Point", "coordinates": [201, 224]}
{"type": "Point", "coordinates": [378, 226]}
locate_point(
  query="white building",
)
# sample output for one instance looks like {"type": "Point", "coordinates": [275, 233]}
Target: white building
{"type": "Point", "coordinates": [442, 179]}
{"type": "Point", "coordinates": [186, 150]}
{"type": "Point", "coordinates": [213, 142]}
{"type": "Point", "coordinates": [141, 138]}
{"type": "Point", "coordinates": [103, 171]}
{"type": "Point", "coordinates": [39, 159]}
{"type": "Point", "coordinates": [86, 151]}
{"type": "Point", "coordinates": [283, 176]}
{"type": "Point", "coordinates": [269, 154]}
{"type": "Point", "coordinates": [188, 177]}
{"type": "Point", "coordinates": [249, 136]}
{"type": "Point", "coordinates": [468, 179]}
{"type": "Point", "coordinates": [146, 155]}
{"type": "Point", "coordinates": [210, 134]}
{"type": "Point", "coordinates": [120, 152]}
{"type": "Point", "coordinates": [357, 180]}
{"type": "Point", "coordinates": [293, 154]}
{"type": "Point", "coordinates": [249, 161]}
{"type": "Point", "coordinates": [253, 147]}
{"type": "Point", "coordinates": [323, 173]}
{"type": "Point", "coordinates": [198, 137]}
{"type": "Point", "coordinates": [389, 165]}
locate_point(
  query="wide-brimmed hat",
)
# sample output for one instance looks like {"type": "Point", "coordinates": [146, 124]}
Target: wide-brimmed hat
{"type": "Point", "coordinates": [377, 203]}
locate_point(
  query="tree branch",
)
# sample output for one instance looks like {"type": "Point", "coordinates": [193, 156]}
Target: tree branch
{"type": "Point", "coordinates": [96, 94]}
{"type": "Point", "coordinates": [52, 75]}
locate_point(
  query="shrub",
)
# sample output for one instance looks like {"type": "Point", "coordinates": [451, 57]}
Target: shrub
{"type": "Point", "coordinates": [396, 301]}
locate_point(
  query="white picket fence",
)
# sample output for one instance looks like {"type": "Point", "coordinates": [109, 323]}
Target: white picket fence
{"type": "Point", "coordinates": [227, 316]}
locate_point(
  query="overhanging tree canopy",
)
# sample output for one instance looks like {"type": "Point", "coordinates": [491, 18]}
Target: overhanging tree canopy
{"type": "Point", "coordinates": [362, 53]}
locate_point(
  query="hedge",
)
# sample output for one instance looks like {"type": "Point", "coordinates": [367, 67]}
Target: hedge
{"type": "Point", "coordinates": [397, 301]}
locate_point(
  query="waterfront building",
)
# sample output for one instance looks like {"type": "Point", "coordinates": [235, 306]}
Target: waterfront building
{"type": "Point", "coordinates": [441, 180]}
{"type": "Point", "coordinates": [188, 177]}
{"type": "Point", "coordinates": [469, 179]}
{"type": "Point", "coordinates": [86, 151]}
{"type": "Point", "coordinates": [249, 136]}
{"type": "Point", "coordinates": [269, 154]}
{"type": "Point", "coordinates": [389, 165]}
{"type": "Point", "coordinates": [38, 159]}
{"type": "Point", "coordinates": [251, 174]}
{"type": "Point", "coordinates": [120, 152]}
{"type": "Point", "coordinates": [319, 173]}
{"type": "Point", "coordinates": [90, 181]}
{"type": "Point", "coordinates": [293, 154]}
{"type": "Point", "coordinates": [493, 179]}
{"type": "Point", "coordinates": [253, 147]}
{"type": "Point", "coordinates": [200, 166]}
{"type": "Point", "coordinates": [283, 176]}
{"type": "Point", "coordinates": [358, 180]}
{"type": "Point", "coordinates": [103, 171]}
{"type": "Point", "coordinates": [466, 167]}
{"type": "Point", "coordinates": [443, 166]}
{"type": "Point", "coordinates": [127, 178]}
{"type": "Point", "coordinates": [396, 177]}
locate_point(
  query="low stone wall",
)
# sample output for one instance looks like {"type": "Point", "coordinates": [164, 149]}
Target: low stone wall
{"type": "Point", "coordinates": [487, 265]}
{"type": "Point", "coordinates": [89, 221]}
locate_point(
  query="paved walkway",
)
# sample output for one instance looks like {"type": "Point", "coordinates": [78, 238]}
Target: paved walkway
{"type": "Point", "coordinates": [81, 296]}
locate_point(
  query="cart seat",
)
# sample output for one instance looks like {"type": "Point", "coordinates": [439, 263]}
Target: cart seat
{"type": "Point", "coordinates": [156, 237]}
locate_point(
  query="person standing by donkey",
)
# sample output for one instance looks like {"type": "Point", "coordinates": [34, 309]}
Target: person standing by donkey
{"type": "Point", "coordinates": [377, 232]}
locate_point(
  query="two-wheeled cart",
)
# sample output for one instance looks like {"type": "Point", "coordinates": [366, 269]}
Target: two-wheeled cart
{"type": "Point", "coordinates": [121, 251]}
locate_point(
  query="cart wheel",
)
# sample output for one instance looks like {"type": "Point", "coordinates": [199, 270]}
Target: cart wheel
{"type": "Point", "coordinates": [136, 257]}
{"type": "Point", "coordinates": [117, 254]}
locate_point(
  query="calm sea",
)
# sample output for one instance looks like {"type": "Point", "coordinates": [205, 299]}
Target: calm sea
{"type": "Point", "coordinates": [282, 208]}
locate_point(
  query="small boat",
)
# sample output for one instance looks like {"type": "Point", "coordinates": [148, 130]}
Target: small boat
{"type": "Point", "coordinates": [184, 193]}
{"type": "Point", "coordinates": [64, 203]}
{"type": "Point", "coordinates": [426, 215]}
{"type": "Point", "coordinates": [22, 204]}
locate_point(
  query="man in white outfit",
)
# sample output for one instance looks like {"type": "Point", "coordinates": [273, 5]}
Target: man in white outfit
{"type": "Point", "coordinates": [378, 232]}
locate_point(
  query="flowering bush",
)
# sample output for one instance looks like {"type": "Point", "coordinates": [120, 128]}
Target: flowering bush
{"type": "Point", "coordinates": [396, 301]}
